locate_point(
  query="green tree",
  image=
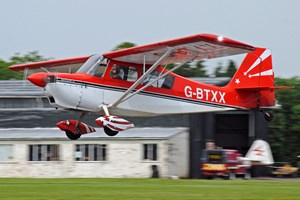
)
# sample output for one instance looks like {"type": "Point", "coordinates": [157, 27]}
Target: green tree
{"type": "Point", "coordinates": [231, 69]}
{"type": "Point", "coordinates": [285, 126]}
{"type": "Point", "coordinates": [228, 72]}
{"type": "Point", "coordinates": [124, 45]}
{"type": "Point", "coordinates": [218, 70]}
{"type": "Point", "coordinates": [184, 70]}
{"type": "Point", "coordinates": [199, 69]}
{"type": "Point", "coordinates": [191, 69]}
{"type": "Point", "coordinates": [6, 73]}
{"type": "Point", "coordinates": [32, 56]}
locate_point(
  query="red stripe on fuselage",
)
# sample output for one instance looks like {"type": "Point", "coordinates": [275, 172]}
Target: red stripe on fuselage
{"type": "Point", "coordinates": [183, 88]}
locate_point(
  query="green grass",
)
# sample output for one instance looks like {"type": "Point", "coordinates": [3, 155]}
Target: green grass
{"type": "Point", "coordinates": [79, 189]}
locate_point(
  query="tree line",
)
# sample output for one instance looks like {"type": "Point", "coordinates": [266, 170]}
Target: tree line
{"type": "Point", "coordinates": [7, 74]}
{"type": "Point", "coordinates": [192, 69]}
{"type": "Point", "coordinates": [284, 129]}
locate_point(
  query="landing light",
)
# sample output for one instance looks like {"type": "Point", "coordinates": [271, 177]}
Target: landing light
{"type": "Point", "coordinates": [220, 38]}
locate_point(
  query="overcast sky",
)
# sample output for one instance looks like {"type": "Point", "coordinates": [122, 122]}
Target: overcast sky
{"type": "Point", "coordinates": [70, 28]}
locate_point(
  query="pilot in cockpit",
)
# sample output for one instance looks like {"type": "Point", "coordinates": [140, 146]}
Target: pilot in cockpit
{"type": "Point", "coordinates": [116, 73]}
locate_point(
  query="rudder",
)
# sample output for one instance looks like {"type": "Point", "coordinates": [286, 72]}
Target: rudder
{"type": "Point", "coordinates": [256, 75]}
{"type": "Point", "coordinates": [255, 71]}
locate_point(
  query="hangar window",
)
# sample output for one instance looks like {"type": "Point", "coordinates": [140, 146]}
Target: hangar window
{"type": "Point", "coordinates": [90, 152]}
{"type": "Point", "coordinates": [6, 152]}
{"type": "Point", "coordinates": [44, 152]}
{"type": "Point", "coordinates": [150, 151]}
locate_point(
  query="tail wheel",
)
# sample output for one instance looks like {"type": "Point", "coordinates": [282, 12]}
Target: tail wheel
{"type": "Point", "coordinates": [110, 132]}
{"type": "Point", "coordinates": [268, 116]}
{"type": "Point", "coordinates": [72, 136]}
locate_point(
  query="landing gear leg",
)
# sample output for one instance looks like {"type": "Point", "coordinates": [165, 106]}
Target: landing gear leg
{"type": "Point", "coordinates": [107, 130]}
{"type": "Point", "coordinates": [82, 114]}
{"type": "Point", "coordinates": [77, 135]}
{"type": "Point", "coordinates": [104, 108]}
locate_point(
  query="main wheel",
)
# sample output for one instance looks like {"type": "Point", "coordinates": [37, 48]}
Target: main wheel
{"type": "Point", "coordinates": [72, 136]}
{"type": "Point", "coordinates": [110, 132]}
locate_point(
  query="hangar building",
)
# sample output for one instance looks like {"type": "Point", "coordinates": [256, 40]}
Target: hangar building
{"type": "Point", "coordinates": [136, 153]}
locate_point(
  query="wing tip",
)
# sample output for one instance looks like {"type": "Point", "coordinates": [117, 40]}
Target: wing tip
{"type": "Point", "coordinates": [48, 63]}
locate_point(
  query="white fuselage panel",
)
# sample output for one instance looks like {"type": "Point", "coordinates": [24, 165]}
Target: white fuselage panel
{"type": "Point", "coordinates": [89, 98]}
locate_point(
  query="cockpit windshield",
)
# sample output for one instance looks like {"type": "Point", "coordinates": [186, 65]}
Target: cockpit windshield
{"type": "Point", "coordinates": [94, 66]}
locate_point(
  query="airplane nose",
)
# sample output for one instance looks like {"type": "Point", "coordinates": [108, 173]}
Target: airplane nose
{"type": "Point", "coordinates": [39, 79]}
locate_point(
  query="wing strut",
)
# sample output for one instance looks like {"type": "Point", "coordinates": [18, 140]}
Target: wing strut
{"type": "Point", "coordinates": [160, 77]}
{"type": "Point", "coordinates": [152, 68]}
{"type": "Point", "coordinates": [25, 76]}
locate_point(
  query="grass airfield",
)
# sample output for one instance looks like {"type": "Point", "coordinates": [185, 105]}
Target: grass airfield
{"type": "Point", "coordinates": [75, 188]}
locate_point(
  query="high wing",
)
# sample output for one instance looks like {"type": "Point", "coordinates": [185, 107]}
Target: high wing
{"type": "Point", "coordinates": [64, 64]}
{"type": "Point", "coordinates": [181, 50]}
{"type": "Point", "coordinates": [200, 46]}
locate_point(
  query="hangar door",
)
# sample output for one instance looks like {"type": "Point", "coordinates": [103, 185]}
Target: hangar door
{"type": "Point", "coordinates": [232, 131]}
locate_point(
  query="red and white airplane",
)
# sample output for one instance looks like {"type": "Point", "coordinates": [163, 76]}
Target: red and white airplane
{"type": "Point", "coordinates": [135, 82]}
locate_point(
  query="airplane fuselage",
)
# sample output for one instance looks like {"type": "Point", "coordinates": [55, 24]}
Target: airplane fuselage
{"type": "Point", "coordinates": [86, 93]}
{"type": "Point", "coordinates": [172, 94]}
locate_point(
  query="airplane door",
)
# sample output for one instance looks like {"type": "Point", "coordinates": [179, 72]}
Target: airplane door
{"type": "Point", "coordinates": [91, 97]}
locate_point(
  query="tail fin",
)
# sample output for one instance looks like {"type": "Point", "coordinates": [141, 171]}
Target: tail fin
{"type": "Point", "coordinates": [260, 153]}
{"type": "Point", "coordinates": [256, 75]}
{"type": "Point", "coordinates": [255, 71]}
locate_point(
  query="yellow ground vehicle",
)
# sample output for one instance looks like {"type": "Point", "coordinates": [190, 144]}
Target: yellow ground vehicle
{"type": "Point", "coordinates": [280, 169]}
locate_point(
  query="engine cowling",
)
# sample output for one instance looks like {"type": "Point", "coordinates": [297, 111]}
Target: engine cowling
{"type": "Point", "coordinates": [114, 123]}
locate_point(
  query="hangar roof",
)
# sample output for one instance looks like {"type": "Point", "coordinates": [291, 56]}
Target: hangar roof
{"type": "Point", "coordinates": [17, 134]}
{"type": "Point", "coordinates": [19, 88]}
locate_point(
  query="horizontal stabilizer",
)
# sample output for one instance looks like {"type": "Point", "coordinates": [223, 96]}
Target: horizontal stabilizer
{"type": "Point", "coordinates": [261, 88]}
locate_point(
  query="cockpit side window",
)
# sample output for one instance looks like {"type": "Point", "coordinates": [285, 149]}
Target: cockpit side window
{"type": "Point", "coordinates": [89, 63]}
{"type": "Point", "coordinates": [95, 66]}
{"type": "Point", "coordinates": [98, 68]}
{"type": "Point", "coordinates": [126, 73]}
{"type": "Point", "coordinates": [166, 82]}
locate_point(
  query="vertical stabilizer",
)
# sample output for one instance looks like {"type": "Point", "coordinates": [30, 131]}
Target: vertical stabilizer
{"type": "Point", "coordinates": [260, 153]}
{"type": "Point", "coordinates": [255, 71]}
{"type": "Point", "coordinates": [256, 76]}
